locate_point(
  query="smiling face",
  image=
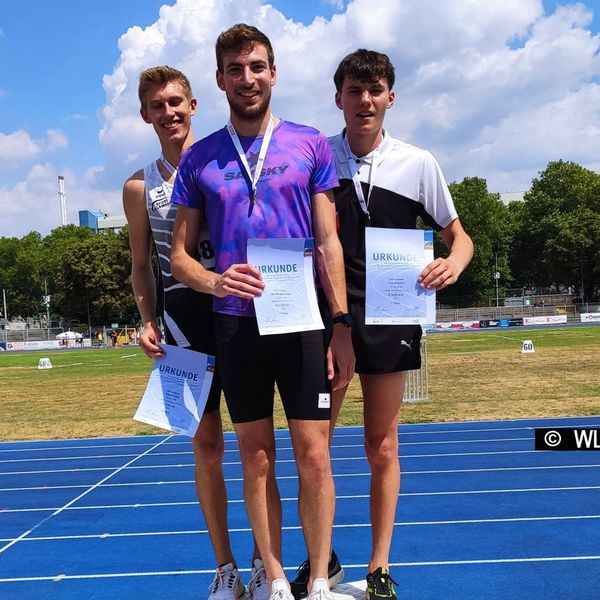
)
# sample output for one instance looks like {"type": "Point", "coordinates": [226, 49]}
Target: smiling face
{"type": "Point", "coordinates": [169, 110]}
{"type": "Point", "coordinates": [247, 79]}
{"type": "Point", "coordinates": [364, 104]}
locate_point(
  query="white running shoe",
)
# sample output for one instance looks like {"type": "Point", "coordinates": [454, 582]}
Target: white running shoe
{"type": "Point", "coordinates": [280, 590]}
{"type": "Point", "coordinates": [320, 590]}
{"type": "Point", "coordinates": [227, 584]}
{"type": "Point", "coordinates": [258, 586]}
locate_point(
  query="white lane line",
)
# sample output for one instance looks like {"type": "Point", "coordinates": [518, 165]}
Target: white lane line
{"type": "Point", "coordinates": [279, 449]}
{"type": "Point", "coordinates": [237, 463]}
{"type": "Point", "coordinates": [294, 498]}
{"type": "Point", "coordinates": [69, 504]}
{"type": "Point", "coordinates": [298, 527]}
{"type": "Point", "coordinates": [284, 477]}
{"type": "Point", "coordinates": [487, 561]}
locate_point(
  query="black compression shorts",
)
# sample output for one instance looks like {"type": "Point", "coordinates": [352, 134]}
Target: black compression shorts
{"type": "Point", "coordinates": [252, 364]}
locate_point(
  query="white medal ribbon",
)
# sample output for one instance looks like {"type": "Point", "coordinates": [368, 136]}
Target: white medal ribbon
{"type": "Point", "coordinates": [167, 165]}
{"type": "Point", "coordinates": [261, 155]}
{"type": "Point", "coordinates": [373, 161]}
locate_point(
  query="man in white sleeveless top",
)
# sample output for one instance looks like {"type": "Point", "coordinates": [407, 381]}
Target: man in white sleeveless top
{"type": "Point", "coordinates": [167, 104]}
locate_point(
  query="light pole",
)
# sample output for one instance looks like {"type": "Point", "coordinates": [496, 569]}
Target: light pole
{"type": "Point", "coordinates": [4, 298]}
{"type": "Point", "coordinates": [496, 272]}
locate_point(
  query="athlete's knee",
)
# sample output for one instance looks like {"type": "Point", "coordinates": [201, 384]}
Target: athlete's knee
{"type": "Point", "coordinates": [258, 457]}
{"type": "Point", "coordinates": [208, 444]}
{"type": "Point", "coordinates": [313, 461]}
{"type": "Point", "coordinates": [381, 450]}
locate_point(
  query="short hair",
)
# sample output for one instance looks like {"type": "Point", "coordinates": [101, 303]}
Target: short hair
{"type": "Point", "coordinates": [161, 76]}
{"type": "Point", "coordinates": [365, 65]}
{"type": "Point", "coordinates": [241, 37]}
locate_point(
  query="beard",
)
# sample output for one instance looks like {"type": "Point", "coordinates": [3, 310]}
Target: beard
{"type": "Point", "coordinates": [250, 113]}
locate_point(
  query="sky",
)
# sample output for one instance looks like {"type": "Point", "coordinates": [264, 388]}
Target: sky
{"type": "Point", "coordinates": [494, 88]}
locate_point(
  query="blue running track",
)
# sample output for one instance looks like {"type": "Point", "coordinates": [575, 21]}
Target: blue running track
{"type": "Point", "coordinates": [481, 515]}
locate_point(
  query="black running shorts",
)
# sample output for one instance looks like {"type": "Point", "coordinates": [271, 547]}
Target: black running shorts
{"type": "Point", "coordinates": [252, 364]}
{"type": "Point", "coordinates": [384, 348]}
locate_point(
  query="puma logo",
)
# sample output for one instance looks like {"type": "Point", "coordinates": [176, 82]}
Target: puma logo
{"type": "Point", "coordinates": [407, 344]}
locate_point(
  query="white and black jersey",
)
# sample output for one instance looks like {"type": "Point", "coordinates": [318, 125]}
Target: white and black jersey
{"type": "Point", "coordinates": [187, 314]}
{"type": "Point", "coordinates": [408, 184]}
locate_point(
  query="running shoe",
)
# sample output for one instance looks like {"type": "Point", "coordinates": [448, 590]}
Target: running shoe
{"type": "Point", "coordinates": [258, 587]}
{"type": "Point", "coordinates": [227, 584]}
{"type": "Point", "coordinates": [320, 590]}
{"type": "Point", "coordinates": [380, 585]}
{"type": "Point", "coordinates": [280, 590]}
{"type": "Point", "coordinates": [335, 574]}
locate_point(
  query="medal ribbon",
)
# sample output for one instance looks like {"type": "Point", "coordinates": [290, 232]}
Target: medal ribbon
{"type": "Point", "coordinates": [261, 155]}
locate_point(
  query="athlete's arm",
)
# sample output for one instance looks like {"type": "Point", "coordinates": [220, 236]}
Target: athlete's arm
{"type": "Point", "coordinates": [330, 267]}
{"type": "Point", "coordinates": [241, 280]}
{"type": "Point", "coordinates": [443, 272]}
{"type": "Point", "coordinates": [142, 277]}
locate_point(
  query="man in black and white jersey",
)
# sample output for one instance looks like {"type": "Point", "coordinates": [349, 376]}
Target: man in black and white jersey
{"type": "Point", "coordinates": [384, 183]}
{"type": "Point", "coordinates": [167, 104]}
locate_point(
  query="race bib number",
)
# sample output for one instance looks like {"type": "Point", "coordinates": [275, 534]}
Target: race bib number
{"type": "Point", "coordinates": [206, 254]}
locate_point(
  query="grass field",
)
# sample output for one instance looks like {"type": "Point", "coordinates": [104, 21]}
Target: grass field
{"type": "Point", "coordinates": [472, 376]}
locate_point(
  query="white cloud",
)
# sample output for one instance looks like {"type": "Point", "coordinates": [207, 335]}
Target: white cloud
{"type": "Point", "coordinates": [495, 88]}
{"type": "Point", "coordinates": [485, 84]}
{"type": "Point", "coordinates": [33, 205]}
{"type": "Point", "coordinates": [17, 148]}
{"type": "Point", "coordinates": [56, 140]}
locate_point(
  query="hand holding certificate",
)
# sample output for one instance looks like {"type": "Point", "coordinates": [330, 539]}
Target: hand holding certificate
{"type": "Point", "coordinates": [288, 302]}
{"type": "Point", "coordinates": [177, 390]}
{"type": "Point", "coordinates": [394, 261]}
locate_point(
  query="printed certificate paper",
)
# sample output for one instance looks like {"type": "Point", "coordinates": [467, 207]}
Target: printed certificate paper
{"type": "Point", "coordinates": [394, 260]}
{"type": "Point", "coordinates": [289, 301]}
{"type": "Point", "coordinates": [177, 390]}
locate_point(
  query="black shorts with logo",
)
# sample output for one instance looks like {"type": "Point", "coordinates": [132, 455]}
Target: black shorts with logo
{"type": "Point", "coordinates": [383, 348]}
{"type": "Point", "coordinates": [252, 364]}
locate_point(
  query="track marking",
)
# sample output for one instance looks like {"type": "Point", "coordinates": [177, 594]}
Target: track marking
{"type": "Point", "coordinates": [286, 477]}
{"type": "Point", "coordinates": [486, 561]}
{"type": "Point", "coordinates": [298, 527]}
{"type": "Point", "coordinates": [295, 499]}
{"type": "Point", "coordinates": [69, 505]}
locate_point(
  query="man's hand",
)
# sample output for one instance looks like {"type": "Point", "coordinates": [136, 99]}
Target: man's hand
{"type": "Point", "coordinates": [439, 274]}
{"type": "Point", "coordinates": [340, 357]}
{"type": "Point", "coordinates": [149, 339]}
{"type": "Point", "coordinates": [243, 281]}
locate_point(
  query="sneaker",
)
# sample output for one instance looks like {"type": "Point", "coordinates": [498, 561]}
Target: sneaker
{"type": "Point", "coordinates": [227, 584]}
{"type": "Point", "coordinates": [280, 591]}
{"type": "Point", "coordinates": [320, 590]}
{"type": "Point", "coordinates": [258, 587]}
{"type": "Point", "coordinates": [335, 573]}
{"type": "Point", "coordinates": [380, 585]}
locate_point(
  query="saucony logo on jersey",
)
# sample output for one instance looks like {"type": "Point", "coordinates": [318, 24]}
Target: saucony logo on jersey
{"type": "Point", "coordinates": [159, 199]}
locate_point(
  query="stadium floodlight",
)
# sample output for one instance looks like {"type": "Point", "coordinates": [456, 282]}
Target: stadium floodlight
{"type": "Point", "coordinates": [62, 199]}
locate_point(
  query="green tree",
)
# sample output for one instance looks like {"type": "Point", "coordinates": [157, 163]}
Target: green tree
{"type": "Point", "coordinates": [94, 276]}
{"type": "Point", "coordinates": [558, 239]}
{"type": "Point", "coordinates": [488, 222]}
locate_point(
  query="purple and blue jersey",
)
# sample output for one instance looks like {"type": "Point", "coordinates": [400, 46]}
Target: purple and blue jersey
{"type": "Point", "coordinates": [299, 163]}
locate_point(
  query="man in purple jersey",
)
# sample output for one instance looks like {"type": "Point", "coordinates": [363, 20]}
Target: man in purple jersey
{"type": "Point", "coordinates": [264, 177]}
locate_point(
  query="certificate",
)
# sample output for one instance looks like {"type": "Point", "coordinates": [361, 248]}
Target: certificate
{"type": "Point", "coordinates": [394, 261]}
{"type": "Point", "coordinates": [289, 299]}
{"type": "Point", "coordinates": [177, 390]}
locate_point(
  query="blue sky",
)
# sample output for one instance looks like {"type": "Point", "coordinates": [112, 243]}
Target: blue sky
{"type": "Point", "coordinates": [494, 89]}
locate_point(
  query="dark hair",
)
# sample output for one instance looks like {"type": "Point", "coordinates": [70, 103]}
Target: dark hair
{"type": "Point", "coordinates": [161, 76]}
{"type": "Point", "coordinates": [241, 37]}
{"type": "Point", "coordinates": [365, 65]}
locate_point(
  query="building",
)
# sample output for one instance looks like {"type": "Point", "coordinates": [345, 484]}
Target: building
{"type": "Point", "coordinates": [99, 221]}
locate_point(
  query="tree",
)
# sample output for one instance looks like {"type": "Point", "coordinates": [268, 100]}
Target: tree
{"type": "Point", "coordinates": [94, 276]}
{"type": "Point", "coordinates": [488, 222]}
{"type": "Point", "coordinates": [558, 238]}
